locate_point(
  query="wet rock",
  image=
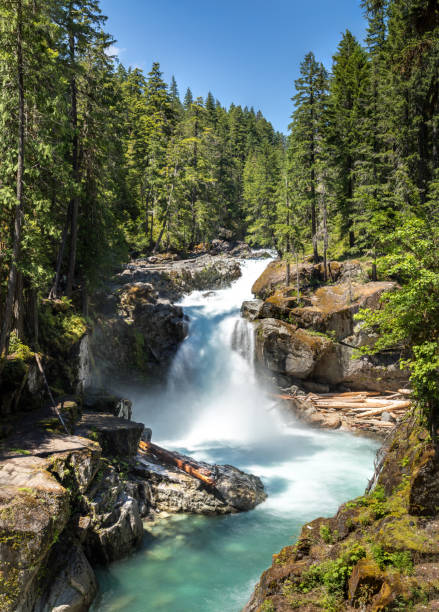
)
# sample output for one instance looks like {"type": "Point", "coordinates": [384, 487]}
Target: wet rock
{"type": "Point", "coordinates": [139, 329]}
{"type": "Point", "coordinates": [74, 585]}
{"type": "Point", "coordinates": [173, 490]}
{"type": "Point", "coordinates": [283, 348]}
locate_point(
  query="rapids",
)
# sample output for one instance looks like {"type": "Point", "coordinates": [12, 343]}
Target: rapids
{"type": "Point", "coordinates": [215, 409]}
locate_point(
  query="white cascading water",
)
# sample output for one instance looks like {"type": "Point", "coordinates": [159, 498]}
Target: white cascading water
{"type": "Point", "coordinates": [212, 394]}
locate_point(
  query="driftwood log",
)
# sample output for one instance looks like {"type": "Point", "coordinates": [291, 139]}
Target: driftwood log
{"type": "Point", "coordinates": [189, 466]}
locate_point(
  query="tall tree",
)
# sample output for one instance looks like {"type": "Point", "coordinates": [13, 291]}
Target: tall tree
{"type": "Point", "coordinates": [307, 132]}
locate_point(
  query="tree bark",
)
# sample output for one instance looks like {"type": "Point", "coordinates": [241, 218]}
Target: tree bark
{"type": "Point", "coordinates": [325, 236]}
{"type": "Point", "coordinates": [19, 208]}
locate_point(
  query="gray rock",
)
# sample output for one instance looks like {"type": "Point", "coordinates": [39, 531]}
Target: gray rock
{"type": "Point", "coordinates": [284, 349]}
{"type": "Point", "coordinates": [251, 309]}
{"type": "Point", "coordinates": [117, 437]}
{"type": "Point", "coordinates": [173, 490]}
{"type": "Point", "coordinates": [74, 586]}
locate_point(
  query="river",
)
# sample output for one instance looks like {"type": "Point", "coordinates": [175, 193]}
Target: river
{"type": "Point", "coordinates": [215, 409]}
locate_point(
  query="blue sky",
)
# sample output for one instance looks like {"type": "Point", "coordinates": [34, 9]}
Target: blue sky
{"type": "Point", "coordinates": [244, 51]}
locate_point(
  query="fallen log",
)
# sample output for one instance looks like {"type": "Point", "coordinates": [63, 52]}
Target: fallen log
{"type": "Point", "coordinates": [191, 467]}
{"type": "Point", "coordinates": [388, 408]}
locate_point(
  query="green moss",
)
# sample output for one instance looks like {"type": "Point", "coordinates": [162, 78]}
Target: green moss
{"type": "Point", "coordinates": [18, 349]}
{"type": "Point", "coordinates": [401, 560]}
{"type": "Point", "coordinates": [60, 329]}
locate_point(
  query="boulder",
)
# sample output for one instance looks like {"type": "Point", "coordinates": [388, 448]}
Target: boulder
{"type": "Point", "coordinates": [34, 510]}
{"type": "Point", "coordinates": [74, 585]}
{"type": "Point", "coordinates": [173, 490]}
{"type": "Point", "coordinates": [310, 275]}
{"type": "Point", "coordinates": [283, 348]}
{"type": "Point", "coordinates": [333, 307]}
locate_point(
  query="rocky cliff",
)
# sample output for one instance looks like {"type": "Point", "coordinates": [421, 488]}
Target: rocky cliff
{"type": "Point", "coordinates": [138, 328]}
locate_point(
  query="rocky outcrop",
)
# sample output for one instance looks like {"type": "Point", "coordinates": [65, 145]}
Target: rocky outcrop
{"type": "Point", "coordinates": [70, 501]}
{"type": "Point", "coordinates": [138, 329]}
{"type": "Point", "coordinates": [310, 275]}
{"type": "Point", "coordinates": [171, 280]}
{"type": "Point", "coordinates": [285, 349]}
{"type": "Point", "coordinates": [317, 338]}
{"type": "Point", "coordinates": [379, 552]}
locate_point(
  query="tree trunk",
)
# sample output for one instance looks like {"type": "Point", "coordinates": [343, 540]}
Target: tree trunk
{"type": "Point", "coordinates": [19, 208]}
{"type": "Point", "coordinates": [313, 190]}
{"type": "Point", "coordinates": [53, 293]}
{"type": "Point", "coordinates": [75, 172]}
{"type": "Point", "coordinates": [287, 203]}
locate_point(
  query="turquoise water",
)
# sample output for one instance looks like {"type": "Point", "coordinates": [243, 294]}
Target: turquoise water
{"type": "Point", "coordinates": [216, 409]}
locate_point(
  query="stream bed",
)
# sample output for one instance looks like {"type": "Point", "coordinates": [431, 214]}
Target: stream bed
{"type": "Point", "coordinates": [215, 409]}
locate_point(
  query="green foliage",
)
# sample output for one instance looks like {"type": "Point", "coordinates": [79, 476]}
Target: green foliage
{"type": "Point", "coordinates": [333, 575]}
{"type": "Point", "coordinates": [409, 317]}
{"type": "Point", "coordinates": [61, 329]}
{"type": "Point", "coordinates": [325, 534]}
{"type": "Point", "coordinates": [400, 560]}
{"type": "Point", "coordinates": [18, 349]}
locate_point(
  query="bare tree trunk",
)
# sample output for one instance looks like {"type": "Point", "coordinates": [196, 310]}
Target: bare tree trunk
{"type": "Point", "coordinates": [313, 192]}
{"type": "Point", "coordinates": [297, 277]}
{"type": "Point", "coordinates": [18, 314]}
{"type": "Point", "coordinates": [19, 208]}
{"type": "Point", "coordinates": [75, 172]}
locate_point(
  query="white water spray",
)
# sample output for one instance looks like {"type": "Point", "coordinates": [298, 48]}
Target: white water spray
{"type": "Point", "coordinates": [212, 394]}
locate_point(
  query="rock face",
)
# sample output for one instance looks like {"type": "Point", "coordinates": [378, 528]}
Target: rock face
{"type": "Point", "coordinates": [139, 329]}
{"type": "Point", "coordinates": [379, 552]}
{"type": "Point", "coordinates": [316, 340]}
{"type": "Point", "coordinates": [285, 349]}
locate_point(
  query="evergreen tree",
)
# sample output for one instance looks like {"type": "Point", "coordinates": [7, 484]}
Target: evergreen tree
{"type": "Point", "coordinates": [307, 132]}
{"type": "Point", "coordinates": [349, 86]}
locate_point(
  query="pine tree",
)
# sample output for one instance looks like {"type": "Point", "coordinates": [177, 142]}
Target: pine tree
{"type": "Point", "coordinates": [347, 102]}
{"type": "Point", "coordinates": [307, 132]}
{"type": "Point", "coordinates": [188, 99]}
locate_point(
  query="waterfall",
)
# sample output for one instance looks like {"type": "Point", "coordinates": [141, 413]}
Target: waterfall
{"type": "Point", "coordinates": [243, 340]}
{"type": "Point", "coordinates": [212, 392]}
